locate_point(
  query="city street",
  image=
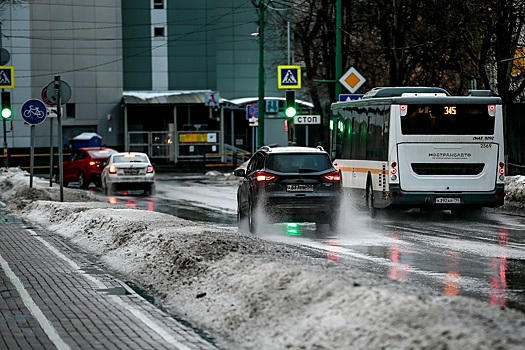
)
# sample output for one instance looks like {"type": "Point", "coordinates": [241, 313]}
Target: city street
{"type": "Point", "coordinates": [484, 259]}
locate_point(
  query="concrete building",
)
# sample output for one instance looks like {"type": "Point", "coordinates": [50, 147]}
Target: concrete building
{"type": "Point", "coordinates": [140, 71]}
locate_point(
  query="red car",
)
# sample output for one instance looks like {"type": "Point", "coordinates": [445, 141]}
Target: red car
{"type": "Point", "coordinates": [85, 166]}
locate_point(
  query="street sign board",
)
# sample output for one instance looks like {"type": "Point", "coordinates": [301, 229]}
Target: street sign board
{"type": "Point", "coordinates": [64, 89]}
{"type": "Point", "coordinates": [52, 111]}
{"type": "Point", "coordinates": [349, 97]}
{"type": "Point", "coordinates": [43, 96]}
{"type": "Point", "coordinates": [272, 106]}
{"type": "Point", "coordinates": [212, 98]}
{"type": "Point", "coordinates": [352, 80]}
{"type": "Point", "coordinates": [252, 110]}
{"type": "Point", "coordinates": [307, 119]}
{"type": "Point", "coordinates": [7, 77]}
{"type": "Point", "coordinates": [34, 111]}
{"type": "Point", "coordinates": [289, 77]}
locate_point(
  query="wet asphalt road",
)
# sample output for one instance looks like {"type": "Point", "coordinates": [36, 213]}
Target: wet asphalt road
{"type": "Point", "coordinates": [481, 257]}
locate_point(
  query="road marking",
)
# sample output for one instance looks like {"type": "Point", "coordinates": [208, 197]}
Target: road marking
{"type": "Point", "coordinates": [160, 330]}
{"type": "Point", "coordinates": [33, 308]}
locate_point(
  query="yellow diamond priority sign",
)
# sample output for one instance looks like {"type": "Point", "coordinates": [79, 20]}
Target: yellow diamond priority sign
{"type": "Point", "coordinates": [352, 80]}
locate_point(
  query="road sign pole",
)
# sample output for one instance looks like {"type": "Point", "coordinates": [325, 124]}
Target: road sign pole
{"type": "Point", "coordinates": [338, 46]}
{"type": "Point", "coordinates": [32, 156]}
{"type": "Point", "coordinates": [60, 153]}
{"type": "Point", "coordinates": [51, 152]}
{"type": "Point", "coordinates": [6, 159]}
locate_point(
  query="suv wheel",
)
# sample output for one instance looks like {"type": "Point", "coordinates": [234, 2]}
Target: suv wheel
{"type": "Point", "coordinates": [82, 182]}
{"type": "Point", "coordinates": [241, 220]}
{"type": "Point", "coordinates": [253, 221]}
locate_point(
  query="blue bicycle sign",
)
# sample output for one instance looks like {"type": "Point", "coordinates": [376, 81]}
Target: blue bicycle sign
{"type": "Point", "coordinates": [34, 111]}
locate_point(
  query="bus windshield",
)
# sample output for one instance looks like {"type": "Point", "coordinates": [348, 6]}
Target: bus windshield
{"type": "Point", "coordinates": [439, 119]}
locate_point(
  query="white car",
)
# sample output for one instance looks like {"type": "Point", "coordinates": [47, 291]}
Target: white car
{"type": "Point", "coordinates": [128, 171]}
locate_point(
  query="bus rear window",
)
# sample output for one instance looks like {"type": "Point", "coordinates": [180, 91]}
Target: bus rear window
{"type": "Point", "coordinates": [447, 120]}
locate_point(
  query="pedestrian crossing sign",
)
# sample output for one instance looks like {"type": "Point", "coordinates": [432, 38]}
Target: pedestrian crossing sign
{"type": "Point", "coordinates": [289, 77]}
{"type": "Point", "coordinates": [7, 77]}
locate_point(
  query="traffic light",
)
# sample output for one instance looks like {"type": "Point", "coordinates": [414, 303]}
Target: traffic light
{"type": "Point", "coordinates": [7, 114]}
{"type": "Point", "coordinates": [289, 109]}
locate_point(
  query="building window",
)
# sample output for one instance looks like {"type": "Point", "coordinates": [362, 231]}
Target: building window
{"type": "Point", "coordinates": [70, 110]}
{"type": "Point", "coordinates": [158, 31]}
{"type": "Point", "coordinates": [158, 4]}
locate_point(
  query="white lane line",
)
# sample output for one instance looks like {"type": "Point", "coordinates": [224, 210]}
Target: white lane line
{"type": "Point", "coordinates": [159, 329]}
{"type": "Point", "coordinates": [33, 308]}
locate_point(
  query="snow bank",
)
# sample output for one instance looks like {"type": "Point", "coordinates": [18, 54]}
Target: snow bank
{"type": "Point", "coordinates": [256, 294]}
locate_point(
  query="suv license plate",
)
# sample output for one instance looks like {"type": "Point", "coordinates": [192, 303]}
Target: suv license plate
{"type": "Point", "coordinates": [300, 188]}
{"type": "Point", "coordinates": [442, 200]}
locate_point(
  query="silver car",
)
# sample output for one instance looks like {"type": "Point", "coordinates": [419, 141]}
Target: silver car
{"type": "Point", "coordinates": [128, 171]}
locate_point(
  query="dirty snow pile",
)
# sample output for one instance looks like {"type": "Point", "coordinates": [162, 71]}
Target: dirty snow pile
{"type": "Point", "coordinates": [250, 293]}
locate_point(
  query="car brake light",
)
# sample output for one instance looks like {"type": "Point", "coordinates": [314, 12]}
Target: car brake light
{"type": "Point", "coordinates": [264, 176]}
{"type": "Point", "coordinates": [92, 163]}
{"type": "Point", "coordinates": [150, 169]}
{"type": "Point", "coordinates": [334, 176]}
{"type": "Point", "coordinates": [112, 169]}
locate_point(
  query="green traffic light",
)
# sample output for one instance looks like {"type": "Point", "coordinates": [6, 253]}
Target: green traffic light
{"type": "Point", "coordinates": [6, 105]}
{"type": "Point", "coordinates": [6, 113]}
{"type": "Point", "coordinates": [290, 112]}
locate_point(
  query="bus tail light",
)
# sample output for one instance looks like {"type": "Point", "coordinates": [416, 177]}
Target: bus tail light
{"type": "Point", "coordinates": [501, 171]}
{"type": "Point", "coordinates": [263, 176]}
{"type": "Point", "coordinates": [492, 110]}
{"type": "Point", "coordinates": [393, 171]}
{"type": "Point", "coordinates": [403, 110]}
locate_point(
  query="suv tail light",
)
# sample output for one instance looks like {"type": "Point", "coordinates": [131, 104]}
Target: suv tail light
{"type": "Point", "coordinates": [263, 176]}
{"type": "Point", "coordinates": [112, 169]}
{"type": "Point", "coordinates": [334, 176]}
{"type": "Point", "coordinates": [149, 169]}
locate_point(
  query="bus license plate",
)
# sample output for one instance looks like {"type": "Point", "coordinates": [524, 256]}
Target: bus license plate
{"type": "Point", "coordinates": [444, 200]}
{"type": "Point", "coordinates": [300, 188]}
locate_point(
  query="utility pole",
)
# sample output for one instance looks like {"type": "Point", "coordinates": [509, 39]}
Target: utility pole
{"type": "Point", "coordinates": [2, 62]}
{"type": "Point", "coordinates": [338, 48]}
{"type": "Point", "coordinates": [261, 103]}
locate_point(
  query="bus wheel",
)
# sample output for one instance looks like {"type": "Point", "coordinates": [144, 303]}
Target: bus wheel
{"type": "Point", "coordinates": [372, 211]}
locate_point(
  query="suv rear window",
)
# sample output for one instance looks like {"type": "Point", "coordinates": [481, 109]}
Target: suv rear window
{"type": "Point", "coordinates": [298, 163]}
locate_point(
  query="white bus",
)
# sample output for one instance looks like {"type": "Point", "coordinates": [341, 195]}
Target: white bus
{"type": "Point", "coordinates": [419, 147]}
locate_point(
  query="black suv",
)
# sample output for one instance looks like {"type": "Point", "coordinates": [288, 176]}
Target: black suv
{"type": "Point", "coordinates": [288, 184]}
